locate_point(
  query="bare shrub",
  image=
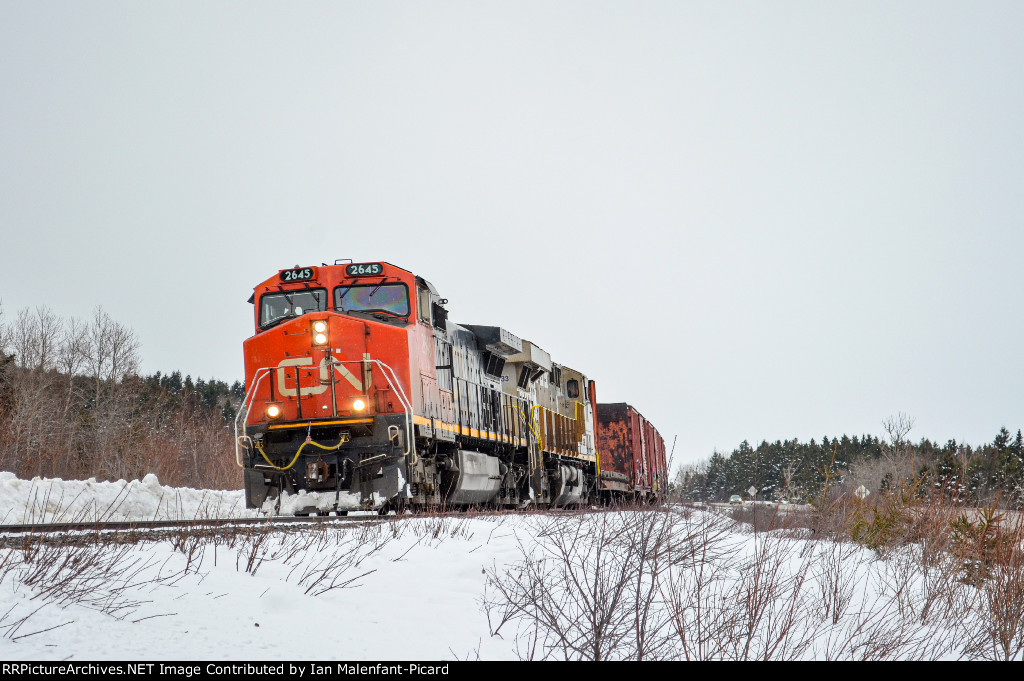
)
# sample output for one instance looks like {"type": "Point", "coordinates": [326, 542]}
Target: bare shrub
{"type": "Point", "coordinates": [761, 517]}
{"type": "Point", "coordinates": [187, 446]}
{"type": "Point", "coordinates": [653, 585]}
{"type": "Point", "coordinates": [101, 576]}
{"type": "Point", "coordinates": [320, 558]}
{"type": "Point", "coordinates": [436, 528]}
{"type": "Point", "coordinates": [695, 593]}
{"type": "Point", "coordinates": [832, 572]}
{"type": "Point", "coordinates": [1002, 591]}
{"type": "Point", "coordinates": [589, 587]}
{"type": "Point", "coordinates": [949, 569]}
{"type": "Point", "coordinates": [879, 632]}
{"type": "Point", "coordinates": [93, 572]}
{"type": "Point", "coordinates": [772, 604]}
{"type": "Point", "coordinates": [718, 594]}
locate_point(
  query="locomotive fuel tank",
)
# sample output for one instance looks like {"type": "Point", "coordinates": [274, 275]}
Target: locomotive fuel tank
{"type": "Point", "coordinates": [471, 478]}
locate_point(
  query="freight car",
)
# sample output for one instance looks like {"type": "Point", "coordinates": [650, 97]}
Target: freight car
{"type": "Point", "coordinates": [362, 394]}
{"type": "Point", "coordinates": [632, 453]}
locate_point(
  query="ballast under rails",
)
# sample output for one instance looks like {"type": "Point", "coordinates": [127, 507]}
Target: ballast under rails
{"type": "Point", "coordinates": [389, 375]}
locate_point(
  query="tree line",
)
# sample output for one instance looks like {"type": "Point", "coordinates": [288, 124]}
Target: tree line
{"type": "Point", "coordinates": [800, 471]}
{"type": "Point", "coordinates": [73, 405]}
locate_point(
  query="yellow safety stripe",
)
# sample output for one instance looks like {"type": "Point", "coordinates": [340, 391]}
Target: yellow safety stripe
{"type": "Point", "coordinates": [468, 432]}
{"type": "Point", "coordinates": [306, 424]}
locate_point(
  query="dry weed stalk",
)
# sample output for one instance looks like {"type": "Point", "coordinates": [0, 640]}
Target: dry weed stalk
{"type": "Point", "coordinates": [665, 585]}
{"type": "Point", "coordinates": [589, 589]}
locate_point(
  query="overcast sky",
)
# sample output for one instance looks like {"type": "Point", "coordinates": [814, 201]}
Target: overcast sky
{"type": "Point", "coordinates": [751, 220]}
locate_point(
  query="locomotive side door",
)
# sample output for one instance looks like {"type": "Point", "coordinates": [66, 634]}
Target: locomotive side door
{"type": "Point", "coordinates": [433, 316]}
{"type": "Point", "coordinates": [443, 362]}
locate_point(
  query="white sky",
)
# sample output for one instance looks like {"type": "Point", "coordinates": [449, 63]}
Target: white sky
{"type": "Point", "coordinates": [750, 220]}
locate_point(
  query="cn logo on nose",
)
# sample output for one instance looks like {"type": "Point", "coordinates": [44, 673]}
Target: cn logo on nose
{"type": "Point", "coordinates": [325, 376]}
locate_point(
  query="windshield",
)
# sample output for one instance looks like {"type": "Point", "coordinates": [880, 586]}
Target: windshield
{"type": "Point", "coordinates": [388, 298]}
{"type": "Point", "coordinates": [277, 306]}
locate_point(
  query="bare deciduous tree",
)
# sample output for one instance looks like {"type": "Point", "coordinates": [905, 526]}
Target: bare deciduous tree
{"type": "Point", "coordinates": [5, 334]}
{"type": "Point", "coordinates": [113, 351]}
{"type": "Point", "coordinates": [897, 451]}
{"type": "Point", "coordinates": [73, 350]}
{"type": "Point", "coordinates": [35, 336]}
{"type": "Point", "coordinates": [72, 406]}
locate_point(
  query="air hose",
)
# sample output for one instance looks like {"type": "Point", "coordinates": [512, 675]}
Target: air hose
{"type": "Point", "coordinates": [309, 441]}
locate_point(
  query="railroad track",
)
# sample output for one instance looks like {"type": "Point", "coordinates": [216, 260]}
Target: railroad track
{"type": "Point", "coordinates": [139, 528]}
{"type": "Point", "coordinates": [130, 525]}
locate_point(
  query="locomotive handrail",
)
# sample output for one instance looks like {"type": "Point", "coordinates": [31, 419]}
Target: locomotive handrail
{"type": "Point", "coordinates": [247, 401]}
{"type": "Point", "coordinates": [397, 387]}
{"type": "Point", "coordinates": [538, 437]}
{"type": "Point", "coordinates": [389, 375]}
{"type": "Point", "coordinates": [535, 414]}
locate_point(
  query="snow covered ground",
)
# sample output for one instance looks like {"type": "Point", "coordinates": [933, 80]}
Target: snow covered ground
{"type": "Point", "coordinates": [415, 588]}
{"type": "Point", "coordinates": [54, 500]}
{"type": "Point", "coordinates": [419, 596]}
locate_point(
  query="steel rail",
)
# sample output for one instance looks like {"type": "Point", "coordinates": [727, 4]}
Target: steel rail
{"type": "Point", "coordinates": [145, 525]}
{"type": "Point", "coordinates": [98, 526]}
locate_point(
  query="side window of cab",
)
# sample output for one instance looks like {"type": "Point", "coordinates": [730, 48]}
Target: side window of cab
{"type": "Point", "coordinates": [423, 304]}
{"type": "Point", "coordinates": [572, 388]}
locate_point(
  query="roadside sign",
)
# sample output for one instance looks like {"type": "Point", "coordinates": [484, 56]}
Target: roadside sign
{"type": "Point", "coordinates": [752, 491]}
{"type": "Point", "coordinates": [862, 492]}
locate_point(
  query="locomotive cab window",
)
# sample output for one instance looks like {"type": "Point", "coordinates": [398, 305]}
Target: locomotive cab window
{"type": "Point", "coordinates": [276, 307]}
{"type": "Point", "coordinates": [423, 303]}
{"type": "Point", "coordinates": [389, 299]}
{"type": "Point", "coordinates": [572, 388]}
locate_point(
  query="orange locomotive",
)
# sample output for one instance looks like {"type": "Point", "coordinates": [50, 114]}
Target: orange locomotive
{"type": "Point", "coordinates": [360, 394]}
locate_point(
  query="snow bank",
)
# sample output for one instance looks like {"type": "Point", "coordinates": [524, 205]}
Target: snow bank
{"type": "Point", "coordinates": [54, 500]}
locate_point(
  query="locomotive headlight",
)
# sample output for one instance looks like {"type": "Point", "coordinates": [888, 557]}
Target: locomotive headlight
{"type": "Point", "coordinates": [273, 411]}
{"type": "Point", "coordinates": [359, 405]}
{"type": "Point", "coordinates": [320, 332]}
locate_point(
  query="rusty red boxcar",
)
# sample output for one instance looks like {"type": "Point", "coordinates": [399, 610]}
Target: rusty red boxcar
{"type": "Point", "coordinates": [632, 453]}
